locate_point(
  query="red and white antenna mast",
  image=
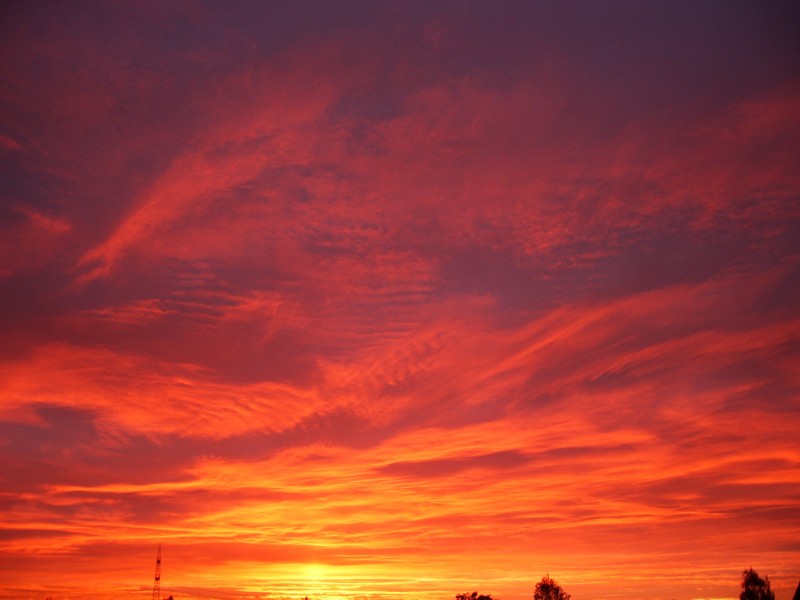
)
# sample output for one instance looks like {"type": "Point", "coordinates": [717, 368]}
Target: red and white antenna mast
{"type": "Point", "coordinates": [157, 582]}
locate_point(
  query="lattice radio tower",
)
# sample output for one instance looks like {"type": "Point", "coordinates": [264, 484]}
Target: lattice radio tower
{"type": "Point", "coordinates": [157, 582]}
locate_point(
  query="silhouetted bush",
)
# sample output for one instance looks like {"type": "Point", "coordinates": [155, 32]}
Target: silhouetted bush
{"type": "Point", "coordinates": [548, 589]}
{"type": "Point", "coordinates": [755, 588]}
{"type": "Point", "coordinates": [474, 596]}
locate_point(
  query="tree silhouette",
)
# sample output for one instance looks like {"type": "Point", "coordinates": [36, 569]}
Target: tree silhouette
{"type": "Point", "coordinates": [474, 596]}
{"type": "Point", "coordinates": [755, 588]}
{"type": "Point", "coordinates": [548, 589]}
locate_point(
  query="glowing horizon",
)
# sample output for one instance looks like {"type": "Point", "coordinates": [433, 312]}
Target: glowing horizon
{"type": "Point", "coordinates": [372, 301]}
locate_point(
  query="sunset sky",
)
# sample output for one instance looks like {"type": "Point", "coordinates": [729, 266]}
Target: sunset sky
{"type": "Point", "coordinates": [366, 300]}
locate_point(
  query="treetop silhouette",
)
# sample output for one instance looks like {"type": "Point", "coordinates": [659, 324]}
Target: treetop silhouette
{"type": "Point", "coordinates": [474, 596]}
{"type": "Point", "coordinates": [548, 589]}
{"type": "Point", "coordinates": [755, 588]}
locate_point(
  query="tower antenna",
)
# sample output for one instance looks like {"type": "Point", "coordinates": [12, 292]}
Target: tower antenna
{"type": "Point", "coordinates": [157, 582]}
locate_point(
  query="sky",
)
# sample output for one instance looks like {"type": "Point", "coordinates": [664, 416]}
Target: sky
{"type": "Point", "coordinates": [397, 300]}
